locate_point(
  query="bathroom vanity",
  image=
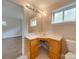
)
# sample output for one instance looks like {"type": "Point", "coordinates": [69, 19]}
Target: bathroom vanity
{"type": "Point", "coordinates": [34, 41]}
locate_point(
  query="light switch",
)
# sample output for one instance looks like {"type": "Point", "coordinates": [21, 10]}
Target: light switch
{"type": "Point", "coordinates": [4, 23]}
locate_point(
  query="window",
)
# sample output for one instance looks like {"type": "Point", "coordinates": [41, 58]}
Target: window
{"type": "Point", "coordinates": [33, 22]}
{"type": "Point", "coordinates": [69, 15]}
{"type": "Point", "coordinates": [58, 17]}
{"type": "Point", "coordinates": [64, 15]}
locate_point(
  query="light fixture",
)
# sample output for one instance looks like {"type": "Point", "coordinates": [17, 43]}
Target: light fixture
{"type": "Point", "coordinates": [44, 13]}
{"type": "Point", "coordinates": [28, 5]}
{"type": "Point", "coordinates": [31, 8]}
{"type": "Point", "coordinates": [36, 10]}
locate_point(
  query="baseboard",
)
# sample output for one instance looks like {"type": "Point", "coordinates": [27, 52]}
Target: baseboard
{"type": "Point", "coordinates": [11, 36]}
{"type": "Point", "coordinates": [22, 57]}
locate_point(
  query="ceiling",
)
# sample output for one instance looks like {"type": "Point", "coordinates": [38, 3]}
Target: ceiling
{"type": "Point", "coordinates": [11, 9]}
{"type": "Point", "coordinates": [41, 4]}
{"type": "Point", "coordinates": [36, 4]}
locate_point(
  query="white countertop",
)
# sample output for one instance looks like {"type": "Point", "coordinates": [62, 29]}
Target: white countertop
{"type": "Point", "coordinates": [51, 36]}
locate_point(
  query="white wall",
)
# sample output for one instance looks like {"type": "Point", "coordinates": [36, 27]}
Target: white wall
{"type": "Point", "coordinates": [12, 29]}
{"type": "Point", "coordinates": [12, 14]}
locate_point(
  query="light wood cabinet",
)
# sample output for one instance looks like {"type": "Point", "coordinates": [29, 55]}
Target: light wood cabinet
{"type": "Point", "coordinates": [54, 49]}
{"type": "Point", "coordinates": [32, 48]}
{"type": "Point", "coordinates": [27, 44]}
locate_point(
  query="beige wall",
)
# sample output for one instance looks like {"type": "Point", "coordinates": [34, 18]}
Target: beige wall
{"type": "Point", "coordinates": [44, 24]}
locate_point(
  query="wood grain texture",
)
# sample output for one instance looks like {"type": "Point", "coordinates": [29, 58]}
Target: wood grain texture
{"type": "Point", "coordinates": [54, 48]}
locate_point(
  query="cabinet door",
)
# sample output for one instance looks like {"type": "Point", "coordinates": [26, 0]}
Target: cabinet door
{"type": "Point", "coordinates": [34, 48]}
{"type": "Point", "coordinates": [27, 48]}
{"type": "Point", "coordinates": [54, 49]}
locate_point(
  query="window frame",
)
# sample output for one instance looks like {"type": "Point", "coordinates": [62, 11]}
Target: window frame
{"type": "Point", "coordinates": [66, 10]}
{"type": "Point", "coordinates": [63, 9]}
{"type": "Point", "coordinates": [54, 17]}
{"type": "Point", "coordinates": [31, 25]}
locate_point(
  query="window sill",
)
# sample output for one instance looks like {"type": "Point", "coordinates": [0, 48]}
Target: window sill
{"type": "Point", "coordinates": [65, 22]}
